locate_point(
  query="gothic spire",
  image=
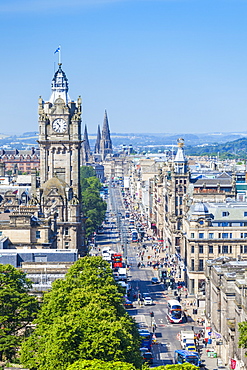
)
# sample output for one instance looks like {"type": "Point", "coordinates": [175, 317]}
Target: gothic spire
{"type": "Point", "coordinates": [59, 86]}
{"type": "Point", "coordinates": [105, 129]}
{"type": "Point", "coordinates": [105, 142]}
{"type": "Point", "coordinates": [85, 139]}
{"type": "Point", "coordinates": [97, 144]}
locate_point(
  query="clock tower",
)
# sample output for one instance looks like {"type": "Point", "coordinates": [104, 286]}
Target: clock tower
{"type": "Point", "coordinates": [60, 147]}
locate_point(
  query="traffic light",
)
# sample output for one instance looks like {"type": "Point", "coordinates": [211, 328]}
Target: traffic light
{"type": "Point", "coordinates": [152, 314]}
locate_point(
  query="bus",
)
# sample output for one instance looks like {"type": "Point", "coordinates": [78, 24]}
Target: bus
{"type": "Point", "coordinates": [181, 356]}
{"type": "Point", "coordinates": [134, 236]}
{"type": "Point", "coordinates": [174, 312]}
{"type": "Point", "coordinates": [146, 338]}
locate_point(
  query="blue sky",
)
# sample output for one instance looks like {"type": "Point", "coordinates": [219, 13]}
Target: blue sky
{"type": "Point", "coordinates": [168, 66]}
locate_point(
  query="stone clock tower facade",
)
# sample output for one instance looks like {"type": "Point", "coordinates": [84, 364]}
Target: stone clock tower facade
{"type": "Point", "coordinates": [60, 147]}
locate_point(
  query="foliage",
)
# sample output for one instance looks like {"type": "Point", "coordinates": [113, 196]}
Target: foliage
{"type": "Point", "coordinates": [92, 204]}
{"type": "Point", "coordinates": [100, 365]}
{"type": "Point", "coordinates": [185, 366]}
{"type": "Point", "coordinates": [111, 365]}
{"type": "Point", "coordinates": [242, 327]}
{"type": "Point", "coordinates": [17, 309]}
{"type": "Point", "coordinates": [87, 171]}
{"type": "Point", "coordinates": [82, 317]}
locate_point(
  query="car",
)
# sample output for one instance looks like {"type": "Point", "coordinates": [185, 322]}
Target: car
{"type": "Point", "coordinates": [148, 301]}
{"type": "Point", "coordinates": [128, 304]}
{"type": "Point", "coordinates": [145, 295]}
{"type": "Point", "coordinates": [148, 357]}
{"type": "Point", "coordinates": [155, 280]}
{"type": "Point", "coordinates": [144, 350]}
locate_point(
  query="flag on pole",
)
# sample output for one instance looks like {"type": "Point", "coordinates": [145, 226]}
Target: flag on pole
{"type": "Point", "coordinates": [57, 50]}
{"type": "Point", "coordinates": [15, 192]}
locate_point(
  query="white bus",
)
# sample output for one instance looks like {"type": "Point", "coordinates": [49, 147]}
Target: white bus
{"type": "Point", "coordinates": [174, 311]}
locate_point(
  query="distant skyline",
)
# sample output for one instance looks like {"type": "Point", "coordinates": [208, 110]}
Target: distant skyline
{"type": "Point", "coordinates": [156, 66]}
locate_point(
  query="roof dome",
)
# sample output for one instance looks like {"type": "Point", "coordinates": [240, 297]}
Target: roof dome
{"type": "Point", "coordinates": [200, 208]}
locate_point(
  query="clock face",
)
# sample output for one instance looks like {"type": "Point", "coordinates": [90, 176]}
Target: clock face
{"type": "Point", "coordinates": [59, 125]}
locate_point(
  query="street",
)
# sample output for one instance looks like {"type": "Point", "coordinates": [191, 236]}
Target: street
{"type": "Point", "coordinates": [116, 236]}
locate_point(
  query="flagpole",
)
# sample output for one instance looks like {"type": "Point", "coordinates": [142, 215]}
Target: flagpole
{"type": "Point", "coordinates": [59, 55]}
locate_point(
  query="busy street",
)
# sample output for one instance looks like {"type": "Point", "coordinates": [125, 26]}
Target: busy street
{"type": "Point", "coordinates": [153, 279]}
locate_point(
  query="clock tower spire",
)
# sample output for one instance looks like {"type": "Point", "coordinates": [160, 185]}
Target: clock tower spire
{"type": "Point", "coordinates": [60, 147]}
{"type": "Point", "coordinates": [59, 86]}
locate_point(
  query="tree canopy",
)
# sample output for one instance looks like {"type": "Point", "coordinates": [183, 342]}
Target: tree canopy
{"type": "Point", "coordinates": [93, 206]}
{"type": "Point", "coordinates": [17, 309]}
{"type": "Point", "coordinates": [82, 318]}
{"type": "Point", "coordinates": [112, 365]}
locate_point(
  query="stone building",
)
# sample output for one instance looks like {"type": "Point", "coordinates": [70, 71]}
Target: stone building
{"type": "Point", "coordinates": [53, 218]}
{"type": "Point", "coordinates": [226, 291]}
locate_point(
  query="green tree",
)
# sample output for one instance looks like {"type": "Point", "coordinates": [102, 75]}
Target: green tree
{"type": "Point", "coordinates": [185, 366]}
{"type": "Point", "coordinates": [82, 317]}
{"type": "Point", "coordinates": [87, 171]}
{"type": "Point", "coordinates": [242, 327]}
{"type": "Point", "coordinates": [93, 206]}
{"type": "Point", "coordinates": [17, 309]}
{"type": "Point", "coordinates": [100, 365]}
{"type": "Point", "coordinates": [112, 365]}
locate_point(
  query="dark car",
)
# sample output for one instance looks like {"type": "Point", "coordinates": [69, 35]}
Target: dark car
{"type": "Point", "coordinates": [128, 304]}
{"type": "Point", "coordinates": [155, 280]}
{"type": "Point", "coordinates": [148, 357]}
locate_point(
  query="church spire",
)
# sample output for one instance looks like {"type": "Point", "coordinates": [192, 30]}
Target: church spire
{"type": "Point", "coordinates": [105, 129]}
{"type": "Point", "coordinates": [59, 86]}
{"type": "Point", "coordinates": [105, 142]}
{"type": "Point", "coordinates": [86, 140]}
{"type": "Point", "coordinates": [97, 144]}
{"type": "Point", "coordinates": [85, 147]}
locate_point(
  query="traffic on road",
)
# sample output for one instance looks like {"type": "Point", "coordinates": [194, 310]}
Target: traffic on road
{"type": "Point", "coordinates": [155, 296]}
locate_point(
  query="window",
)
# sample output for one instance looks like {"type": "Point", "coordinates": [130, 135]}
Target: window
{"type": "Point", "coordinates": [66, 231]}
{"type": "Point", "coordinates": [219, 249]}
{"type": "Point", "coordinates": [192, 235]}
{"type": "Point", "coordinates": [224, 248]}
{"type": "Point", "coordinates": [219, 235]}
{"type": "Point", "coordinates": [192, 249]}
{"type": "Point", "coordinates": [37, 234]}
{"type": "Point", "coordinates": [200, 265]}
{"type": "Point", "coordinates": [192, 265]}
{"type": "Point", "coordinates": [243, 235]}
{"type": "Point", "coordinates": [210, 235]}
{"type": "Point", "coordinates": [210, 249]}
{"type": "Point", "coordinates": [1, 233]}
{"type": "Point", "coordinates": [230, 249]}
{"type": "Point", "coordinates": [180, 201]}
{"type": "Point", "coordinates": [230, 235]}
{"type": "Point", "coordinates": [224, 214]}
{"type": "Point", "coordinates": [66, 244]}
{"type": "Point", "coordinates": [243, 248]}
{"type": "Point", "coordinates": [225, 235]}
{"type": "Point", "coordinates": [245, 214]}
{"type": "Point", "coordinates": [201, 235]}
{"type": "Point", "coordinates": [200, 248]}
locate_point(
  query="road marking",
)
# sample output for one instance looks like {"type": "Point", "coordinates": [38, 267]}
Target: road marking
{"type": "Point", "coordinates": [164, 356]}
